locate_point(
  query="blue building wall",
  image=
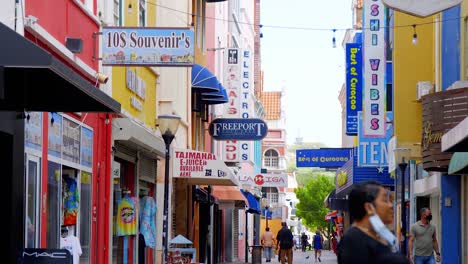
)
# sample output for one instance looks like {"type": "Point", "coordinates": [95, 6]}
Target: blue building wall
{"type": "Point", "coordinates": [451, 220]}
{"type": "Point", "coordinates": [450, 185]}
{"type": "Point", "coordinates": [450, 46]}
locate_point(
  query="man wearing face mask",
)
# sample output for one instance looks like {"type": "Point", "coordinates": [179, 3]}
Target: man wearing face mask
{"type": "Point", "coordinates": [423, 237]}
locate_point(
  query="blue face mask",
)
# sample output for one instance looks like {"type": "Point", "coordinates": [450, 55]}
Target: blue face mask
{"type": "Point", "coordinates": [381, 229]}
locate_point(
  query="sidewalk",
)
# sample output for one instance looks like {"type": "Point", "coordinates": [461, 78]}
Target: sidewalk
{"type": "Point", "coordinates": [328, 257]}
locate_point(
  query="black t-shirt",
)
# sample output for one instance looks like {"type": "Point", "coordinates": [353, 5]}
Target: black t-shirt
{"type": "Point", "coordinates": [304, 238]}
{"type": "Point", "coordinates": [357, 247]}
{"type": "Point", "coordinates": [285, 238]}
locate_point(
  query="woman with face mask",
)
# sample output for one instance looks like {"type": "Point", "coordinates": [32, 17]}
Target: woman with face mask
{"type": "Point", "coordinates": [369, 240]}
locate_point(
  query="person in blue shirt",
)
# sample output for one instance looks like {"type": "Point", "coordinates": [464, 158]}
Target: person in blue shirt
{"type": "Point", "coordinates": [318, 245]}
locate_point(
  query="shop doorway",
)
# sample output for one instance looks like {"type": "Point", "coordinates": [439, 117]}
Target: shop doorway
{"type": "Point", "coordinates": [32, 224]}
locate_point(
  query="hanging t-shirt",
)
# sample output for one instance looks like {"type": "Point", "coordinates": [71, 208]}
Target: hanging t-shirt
{"type": "Point", "coordinates": [70, 201]}
{"type": "Point", "coordinates": [147, 220]}
{"type": "Point", "coordinates": [127, 216]}
{"type": "Point", "coordinates": [72, 244]}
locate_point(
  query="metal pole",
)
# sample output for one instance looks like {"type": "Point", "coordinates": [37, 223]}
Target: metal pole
{"type": "Point", "coordinates": [403, 208]}
{"type": "Point", "coordinates": [167, 139]}
{"type": "Point", "coordinates": [246, 238]}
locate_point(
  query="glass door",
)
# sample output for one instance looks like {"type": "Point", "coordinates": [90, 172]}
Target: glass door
{"type": "Point", "coordinates": [32, 201]}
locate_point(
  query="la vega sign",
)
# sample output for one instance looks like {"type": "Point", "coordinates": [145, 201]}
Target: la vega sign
{"type": "Point", "coordinates": [264, 180]}
{"type": "Point", "coordinates": [238, 129]}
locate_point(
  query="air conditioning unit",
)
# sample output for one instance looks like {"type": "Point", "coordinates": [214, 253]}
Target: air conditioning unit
{"type": "Point", "coordinates": [424, 88]}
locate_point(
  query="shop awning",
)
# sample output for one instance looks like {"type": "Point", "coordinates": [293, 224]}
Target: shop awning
{"type": "Point", "coordinates": [32, 79]}
{"type": "Point", "coordinates": [127, 131]}
{"type": "Point", "coordinates": [229, 193]}
{"type": "Point", "coordinates": [456, 139]}
{"type": "Point", "coordinates": [203, 80]}
{"type": "Point", "coordinates": [220, 97]}
{"type": "Point", "coordinates": [458, 163]}
{"type": "Point", "coordinates": [253, 203]}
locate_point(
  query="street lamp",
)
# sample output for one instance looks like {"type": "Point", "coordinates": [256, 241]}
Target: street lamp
{"type": "Point", "coordinates": [168, 125]}
{"type": "Point", "coordinates": [402, 157]}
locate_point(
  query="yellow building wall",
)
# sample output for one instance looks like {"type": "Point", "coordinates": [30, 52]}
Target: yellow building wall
{"type": "Point", "coordinates": [123, 95]}
{"type": "Point", "coordinates": [274, 225]}
{"type": "Point", "coordinates": [463, 59]}
{"type": "Point", "coordinates": [411, 63]}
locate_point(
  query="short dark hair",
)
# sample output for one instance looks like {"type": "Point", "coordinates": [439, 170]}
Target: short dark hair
{"type": "Point", "coordinates": [267, 229]}
{"type": "Point", "coordinates": [365, 192]}
{"type": "Point", "coordinates": [423, 210]}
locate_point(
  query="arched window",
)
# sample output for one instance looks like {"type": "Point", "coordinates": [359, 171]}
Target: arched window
{"type": "Point", "coordinates": [271, 158]}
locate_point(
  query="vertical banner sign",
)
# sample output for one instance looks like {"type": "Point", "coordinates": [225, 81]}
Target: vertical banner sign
{"type": "Point", "coordinates": [232, 83]}
{"type": "Point", "coordinates": [374, 69]}
{"type": "Point", "coordinates": [353, 86]}
{"type": "Point", "coordinates": [246, 105]}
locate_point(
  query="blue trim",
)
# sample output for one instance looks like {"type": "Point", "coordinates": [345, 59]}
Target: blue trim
{"type": "Point", "coordinates": [450, 47]}
{"type": "Point", "coordinates": [451, 220]}
{"type": "Point", "coordinates": [254, 205]}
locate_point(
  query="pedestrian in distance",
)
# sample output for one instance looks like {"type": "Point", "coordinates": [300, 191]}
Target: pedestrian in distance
{"type": "Point", "coordinates": [285, 244]}
{"type": "Point", "coordinates": [368, 240]}
{"type": "Point", "coordinates": [304, 242]}
{"type": "Point", "coordinates": [267, 243]}
{"type": "Point", "coordinates": [318, 245]}
{"type": "Point", "coordinates": [423, 237]}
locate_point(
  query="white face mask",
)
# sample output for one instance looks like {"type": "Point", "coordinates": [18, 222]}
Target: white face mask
{"type": "Point", "coordinates": [381, 229]}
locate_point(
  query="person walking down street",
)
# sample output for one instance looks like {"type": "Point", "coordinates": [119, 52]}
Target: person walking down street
{"type": "Point", "coordinates": [368, 241]}
{"type": "Point", "coordinates": [318, 245]}
{"type": "Point", "coordinates": [284, 243]}
{"type": "Point", "coordinates": [304, 242]}
{"type": "Point", "coordinates": [267, 243]}
{"type": "Point", "coordinates": [423, 237]}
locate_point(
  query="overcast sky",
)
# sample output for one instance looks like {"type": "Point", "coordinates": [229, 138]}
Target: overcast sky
{"type": "Point", "coordinates": [306, 64]}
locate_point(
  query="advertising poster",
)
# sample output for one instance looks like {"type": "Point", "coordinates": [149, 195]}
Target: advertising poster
{"type": "Point", "coordinates": [147, 46]}
{"type": "Point", "coordinates": [374, 93]}
{"type": "Point", "coordinates": [33, 131]}
{"type": "Point", "coordinates": [86, 147]}
{"type": "Point", "coordinates": [71, 141]}
{"type": "Point", "coordinates": [353, 86]}
{"type": "Point", "coordinates": [55, 135]}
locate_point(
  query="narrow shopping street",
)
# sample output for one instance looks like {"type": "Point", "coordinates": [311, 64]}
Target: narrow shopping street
{"type": "Point", "coordinates": [328, 257]}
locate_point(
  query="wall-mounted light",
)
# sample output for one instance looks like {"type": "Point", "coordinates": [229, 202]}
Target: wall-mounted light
{"type": "Point", "coordinates": [101, 77]}
{"type": "Point", "coordinates": [130, 8]}
{"type": "Point", "coordinates": [415, 36]}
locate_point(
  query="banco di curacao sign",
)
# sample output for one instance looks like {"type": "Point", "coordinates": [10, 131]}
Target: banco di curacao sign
{"type": "Point", "coordinates": [238, 129]}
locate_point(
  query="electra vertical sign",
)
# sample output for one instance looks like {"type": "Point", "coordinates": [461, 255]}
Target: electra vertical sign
{"type": "Point", "coordinates": [353, 86]}
{"type": "Point", "coordinates": [238, 83]}
{"type": "Point", "coordinates": [374, 69]}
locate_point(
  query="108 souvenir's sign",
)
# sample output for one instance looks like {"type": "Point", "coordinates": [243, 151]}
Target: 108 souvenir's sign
{"type": "Point", "coordinates": [238, 129]}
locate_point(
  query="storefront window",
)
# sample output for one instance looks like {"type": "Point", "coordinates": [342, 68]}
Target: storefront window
{"type": "Point", "coordinates": [85, 215]}
{"type": "Point", "coordinates": [53, 205]}
{"type": "Point", "coordinates": [32, 221]}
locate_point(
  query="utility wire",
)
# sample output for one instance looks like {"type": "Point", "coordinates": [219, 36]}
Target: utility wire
{"type": "Point", "coordinates": [303, 28]}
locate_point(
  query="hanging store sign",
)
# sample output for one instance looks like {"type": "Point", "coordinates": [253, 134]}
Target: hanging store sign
{"type": "Point", "coordinates": [374, 69]}
{"type": "Point", "coordinates": [238, 129]}
{"type": "Point", "coordinates": [442, 111]}
{"type": "Point", "coordinates": [147, 46]}
{"type": "Point", "coordinates": [373, 152]}
{"type": "Point", "coordinates": [421, 8]}
{"type": "Point", "coordinates": [238, 83]}
{"type": "Point", "coordinates": [322, 158]}
{"type": "Point", "coordinates": [264, 180]}
{"type": "Point", "coordinates": [203, 167]}
{"type": "Point", "coordinates": [353, 86]}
